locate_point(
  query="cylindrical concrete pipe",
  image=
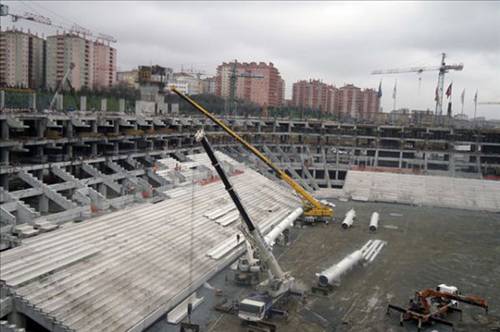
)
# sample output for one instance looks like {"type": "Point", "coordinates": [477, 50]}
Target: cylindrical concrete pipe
{"type": "Point", "coordinates": [374, 221]}
{"type": "Point", "coordinates": [333, 273]}
{"type": "Point", "coordinates": [349, 219]}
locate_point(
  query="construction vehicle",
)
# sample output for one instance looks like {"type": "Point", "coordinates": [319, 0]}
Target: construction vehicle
{"type": "Point", "coordinates": [432, 305]}
{"type": "Point", "coordinates": [314, 210]}
{"type": "Point", "coordinates": [256, 307]}
{"type": "Point", "coordinates": [247, 268]}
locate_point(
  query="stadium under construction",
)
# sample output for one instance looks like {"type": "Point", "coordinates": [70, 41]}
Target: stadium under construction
{"type": "Point", "coordinates": [114, 221]}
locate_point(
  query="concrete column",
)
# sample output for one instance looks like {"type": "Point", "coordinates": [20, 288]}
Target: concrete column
{"type": "Point", "coordinates": [425, 162]}
{"type": "Point", "coordinates": [121, 105]}
{"type": "Point", "coordinates": [400, 159]}
{"type": "Point", "coordinates": [43, 204]}
{"type": "Point", "coordinates": [17, 318]}
{"type": "Point", "coordinates": [69, 151]}
{"type": "Point", "coordinates": [41, 126]}
{"type": "Point", "coordinates": [94, 126]}
{"type": "Point", "coordinates": [69, 129]}
{"type": "Point", "coordinates": [60, 102]}
{"type": "Point", "coordinates": [83, 103]}
{"type": "Point", "coordinates": [33, 101]}
{"type": "Point", "coordinates": [102, 189]}
{"type": "Point", "coordinates": [116, 148]}
{"type": "Point", "coordinates": [2, 100]}
{"type": "Point", "coordinates": [4, 157]}
{"type": "Point", "coordinates": [94, 149]}
{"type": "Point", "coordinates": [451, 164]}
{"type": "Point", "coordinates": [117, 126]}
{"type": "Point", "coordinates": [4, 181]}
{"type": "Point", "coordinates": [375, 163]}
{"type": "Point", "coordinates": [104, 105]}
{"type": "Point", "coordinates": [4, 129]}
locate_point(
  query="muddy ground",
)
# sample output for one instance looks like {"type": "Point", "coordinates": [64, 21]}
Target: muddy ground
{"type": "Point", "coordinates": [425, 247]}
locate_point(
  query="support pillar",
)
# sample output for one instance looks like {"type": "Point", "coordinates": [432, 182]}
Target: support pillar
{"type": "Point", "coordinates": [60, 102]}
{"type": "Point", "coordinates": [33, 101]}
{"type": "Point", "coordinates": [41, 126]}
{"type": "Point", "coordinates": [400, 159]}
{"type": "Point", "coordinates": [4, 181]}
{"type": "Point", "coordinates": [4, 129]}
{"type": "Point", "coordinates": [104, 105]}
{"type": "Point", "coordinates": [83, 103]}
{"type": "Point", "coordinates": [2, 100]}
{"type": "Point", "coordinates": [43, 204]}
{"type": "Point", "coordinates": [121, 105]}
{"type": "Point", "coordinates": [102, 189]}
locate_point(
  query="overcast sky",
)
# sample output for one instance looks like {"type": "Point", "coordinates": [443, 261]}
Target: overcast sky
{"type": "Point", "coordinates": [337, 42]}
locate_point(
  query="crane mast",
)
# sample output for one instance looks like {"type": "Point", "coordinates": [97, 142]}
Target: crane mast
{"type": "Point", "coordinates": [312, 207]}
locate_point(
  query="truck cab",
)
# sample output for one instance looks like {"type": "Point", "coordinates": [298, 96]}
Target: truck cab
{"type": "Point", "coordinates": [254, 308]}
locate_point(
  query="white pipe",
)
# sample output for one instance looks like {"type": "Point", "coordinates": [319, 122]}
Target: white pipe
{"type": "Point", "coordinates": [367, 246]}
{"type": "Point", "coordinates": [374, 221]}
{"type": "Point", "coordinates": [371, 248]}
{"type": "Point", "coordinates": [349, 219]}
{"type": "Point", "coordinates": [376, 252]}
{"type": "Point", "coordinates": [333, 273]}
{"type": "Point", "coordinates": [284, 224]}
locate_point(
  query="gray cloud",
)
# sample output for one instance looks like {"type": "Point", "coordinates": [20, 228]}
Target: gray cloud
{"type": "Point", "coordinates": [338, 42]}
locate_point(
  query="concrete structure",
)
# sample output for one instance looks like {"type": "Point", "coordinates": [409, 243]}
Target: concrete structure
{"type": "Point", "coordinates": [62, 49]}
{"type": "Point", "coordinates": [124, 270]}
{"type": "Point", "coordinates": [104, 66]}
{"type": "Point", "coordinates": [265, 91]}
{"type": "Point", "coordinates": [438, 191]}
{"type": "Point", "coordinates": [22, 59]}
{"type": "Point", "coordinates": [129, 78]}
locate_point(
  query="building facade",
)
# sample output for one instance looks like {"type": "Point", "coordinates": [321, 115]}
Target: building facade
{"type": "Point", "coordinates": [22, 59]}
{"type": "Point", "coordinates": [348, 101]}
{"type": "Point", "coordinates": [64, 49]}
{"type": "Point", "coordinates": [259, 83]}
{"type": "Point", "coordinates": [104, 66]}
{"type": "Point", "coordinates": [314, 94]}
{"type": "Point", "coordinates": [208, 85]}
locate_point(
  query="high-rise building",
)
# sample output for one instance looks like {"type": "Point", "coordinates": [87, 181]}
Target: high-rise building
{"type": "Point", "coordinates": [22, 59]}
{"type": "Point", "coordinates": [104, 66]}
{"type": "Point", "coordinates": [314, 94]}
{"type": "Point", "coordinates": [66, 48]}
{"type": "Point", "coordinates": [348, 101]}
{"type": "Point", "coordinates": [259, 83]}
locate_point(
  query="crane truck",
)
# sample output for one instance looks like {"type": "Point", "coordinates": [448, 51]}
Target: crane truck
{"type": "Point", "coordinates": [257, 306]}
{"type": "Point", "coordinates": [314, 210]}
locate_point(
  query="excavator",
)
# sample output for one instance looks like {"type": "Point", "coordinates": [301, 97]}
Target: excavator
{"type": "Point", "coordinates": [314, 210]}
{"type": "Point", "coordinates": [431, 305]}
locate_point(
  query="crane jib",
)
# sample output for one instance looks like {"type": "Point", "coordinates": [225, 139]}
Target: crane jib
{"type": "Point", "coordinates": [313, 206]}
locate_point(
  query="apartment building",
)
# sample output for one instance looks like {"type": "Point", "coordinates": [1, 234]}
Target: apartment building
{"type": "Point", "coordinates": [22, 59]}
{"type": "Point", "coordinates": [104, 66]}
{"type": "Point", "coordinates": [259, 83]}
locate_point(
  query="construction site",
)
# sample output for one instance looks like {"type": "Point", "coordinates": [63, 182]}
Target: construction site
{"type": "Point", "coordinates": [120, 222]}
{"type": "Point", "coordinates": [161, 215]}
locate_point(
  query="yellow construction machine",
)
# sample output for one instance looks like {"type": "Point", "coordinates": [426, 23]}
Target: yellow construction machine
{"type": "Point", "coordinates": [314, 210]}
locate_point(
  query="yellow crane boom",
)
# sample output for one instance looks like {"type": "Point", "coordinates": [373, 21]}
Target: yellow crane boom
{"type": "Point", "coordinates": [312, 207]}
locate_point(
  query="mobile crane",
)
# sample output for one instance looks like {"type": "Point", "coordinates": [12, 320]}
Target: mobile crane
{"type": "Point", "coordinates": [314, 210]}
{"type": "Point", "coordinates": [431, 305]}
{"type": "Point", "coordinates": [257, 306]}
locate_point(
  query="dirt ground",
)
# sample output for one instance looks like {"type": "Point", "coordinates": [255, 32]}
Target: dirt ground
{"type": "Point", "coordinates": [425, 247]}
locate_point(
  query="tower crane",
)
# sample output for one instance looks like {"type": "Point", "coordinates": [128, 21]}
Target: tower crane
{"type": "Point", "coordinates": [230, 105]}
{"type": "Point", "coordinates": [75, 28]}
{"type": "Point", "coordinates": [442, 69]}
